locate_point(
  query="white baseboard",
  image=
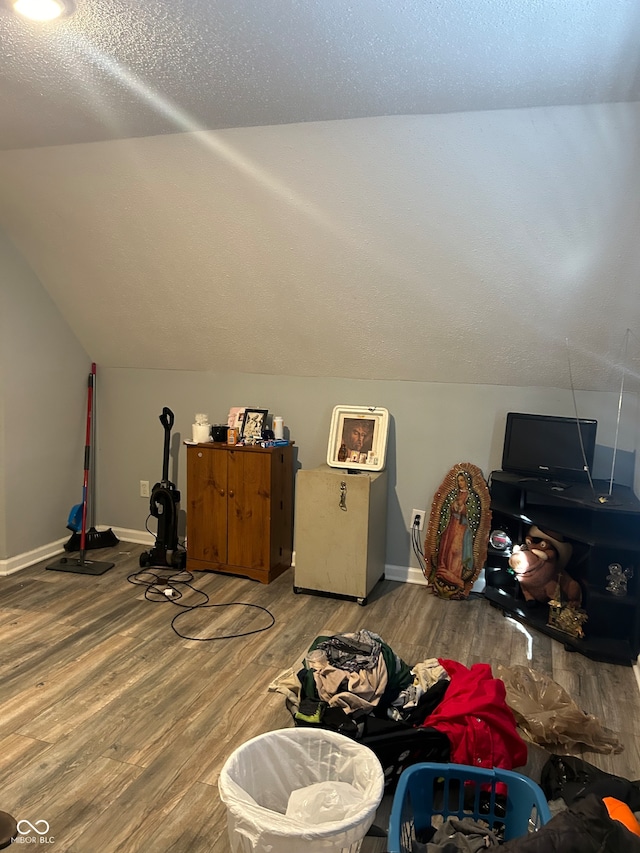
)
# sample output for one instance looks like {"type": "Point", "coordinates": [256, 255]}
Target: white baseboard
{"type": "Point", "coordinates": [52, 549]}
{"type": "Point", "coordinates": [409, 574]}
{"type": "Point", "coordinates": [405, 574]}
{"type": "Point", "coordinates": [23, 561]}
{"type": "Point", "coordinates": [138, 537]}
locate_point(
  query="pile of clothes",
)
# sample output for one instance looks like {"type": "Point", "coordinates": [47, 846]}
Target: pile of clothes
{"type": "Point", "coordinates": [355, 684]}
{"type": "Point", "coordinates": [347, 677]}
{"type": "Point", "coordinates": [440, 710]}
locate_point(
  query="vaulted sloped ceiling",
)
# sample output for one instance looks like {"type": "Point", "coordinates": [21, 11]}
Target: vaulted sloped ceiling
{"type": "Point", "coordinates": [436, 191]}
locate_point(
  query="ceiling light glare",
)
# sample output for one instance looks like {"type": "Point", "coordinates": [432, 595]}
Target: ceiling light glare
{"type": "Point", "coordinates": [40, 10]}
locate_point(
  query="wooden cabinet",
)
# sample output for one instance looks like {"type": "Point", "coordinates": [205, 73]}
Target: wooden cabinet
{"type": "Point", "coordinates": [240, 509]}
{"type": "Point", "coordinates": [601, 534]}
{"type": "Point", "coordinates": [340, 531]}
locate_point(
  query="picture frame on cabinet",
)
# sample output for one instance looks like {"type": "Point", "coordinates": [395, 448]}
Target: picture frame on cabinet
{"type": "Point", "coordinates": [235, 417]}
{"type": "Point", "coordinates": [253, 422]}
{"type": "Point", "coordinates": [358, 438]}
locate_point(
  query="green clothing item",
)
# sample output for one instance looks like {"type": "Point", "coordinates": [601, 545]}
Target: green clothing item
{"type": "Point", "coordinates": [398, 673]}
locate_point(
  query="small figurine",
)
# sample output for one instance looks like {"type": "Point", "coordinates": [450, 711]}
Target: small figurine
{"type": "Point", "coordinates": [539, 568]}
{"type": "Point", "coordinates": [565, 617]}
{"type": "Point", "coordinates": [617, 579]}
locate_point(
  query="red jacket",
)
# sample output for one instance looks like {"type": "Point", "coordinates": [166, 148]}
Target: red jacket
{"type": "Point", "coordinates": [477, 720]}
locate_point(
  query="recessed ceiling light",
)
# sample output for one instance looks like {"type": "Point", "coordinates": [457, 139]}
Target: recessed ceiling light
{"type": "Point", "coordinates": [41, 10]}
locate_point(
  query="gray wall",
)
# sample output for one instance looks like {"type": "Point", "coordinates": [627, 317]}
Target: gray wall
{"type": "Point", "coordinates": [43, 375]}
{"type": "Point", "coordinates": [433, 426]}
{"type": "Point", "coordinates": [43, 378]}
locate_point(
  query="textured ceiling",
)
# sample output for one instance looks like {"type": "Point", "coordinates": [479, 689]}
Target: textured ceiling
{"type": "Point", "coordinates": [120, 68]}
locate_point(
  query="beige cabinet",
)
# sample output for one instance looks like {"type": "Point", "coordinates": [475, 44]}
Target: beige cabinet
{"type": "Point", "coordinates": [239, 509]}
{"type": "Point", "coordinates": [340, 531]}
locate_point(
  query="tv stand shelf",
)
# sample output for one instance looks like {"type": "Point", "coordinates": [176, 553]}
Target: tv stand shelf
{"type": "Point", "coordinates": [601, 532]}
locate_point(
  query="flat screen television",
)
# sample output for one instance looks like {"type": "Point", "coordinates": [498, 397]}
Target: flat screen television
{"type": "Point", "coordinates": [549, 447]}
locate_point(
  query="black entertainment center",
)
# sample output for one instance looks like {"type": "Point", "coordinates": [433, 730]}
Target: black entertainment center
{"type": "Point", "coordinates": [600, 519]}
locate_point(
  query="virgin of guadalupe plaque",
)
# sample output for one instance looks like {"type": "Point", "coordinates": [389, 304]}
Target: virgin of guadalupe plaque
{"type": "Point", "coordinates": [458, 533]}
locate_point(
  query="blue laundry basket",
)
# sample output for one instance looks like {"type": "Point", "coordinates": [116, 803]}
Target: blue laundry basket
{"type": "Point", "coordinates": [517, 806]}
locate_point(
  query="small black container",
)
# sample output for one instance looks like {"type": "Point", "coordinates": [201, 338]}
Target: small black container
{"type": "Point", "coordinates": [219, 432]}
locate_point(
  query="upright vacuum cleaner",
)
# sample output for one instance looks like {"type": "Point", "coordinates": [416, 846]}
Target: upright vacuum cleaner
{"type": "Point", "coordinates": [164, 502]}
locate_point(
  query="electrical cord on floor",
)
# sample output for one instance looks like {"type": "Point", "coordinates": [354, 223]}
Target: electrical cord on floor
{"type": "Point", "coordinates": [162, 587]}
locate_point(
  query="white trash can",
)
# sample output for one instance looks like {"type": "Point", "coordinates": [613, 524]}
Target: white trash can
{"type": "Point", "coordinates": [337, 785]}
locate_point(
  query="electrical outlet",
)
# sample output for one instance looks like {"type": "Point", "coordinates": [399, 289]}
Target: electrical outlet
{"type": "Point", "coordinates": [418, 514]}
{"type": "Point", "coordinates": [144, 488]}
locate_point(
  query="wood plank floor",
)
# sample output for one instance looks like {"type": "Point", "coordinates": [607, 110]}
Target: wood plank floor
{"type": "Point", "coordinates": [113, 728]}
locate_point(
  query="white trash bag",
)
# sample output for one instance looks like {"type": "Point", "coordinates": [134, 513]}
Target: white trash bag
{"type": "Point", "coordinates": [324, 802]}
{"type": "Point", "coordinates": [300, 789]}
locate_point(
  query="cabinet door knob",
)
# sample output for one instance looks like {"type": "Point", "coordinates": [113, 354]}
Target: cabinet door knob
{"type": "Point", "coordinates": [231, 493]}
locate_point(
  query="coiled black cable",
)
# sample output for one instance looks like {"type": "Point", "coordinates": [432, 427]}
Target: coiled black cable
{"type": "Point", "coordinates": [159, 582]}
